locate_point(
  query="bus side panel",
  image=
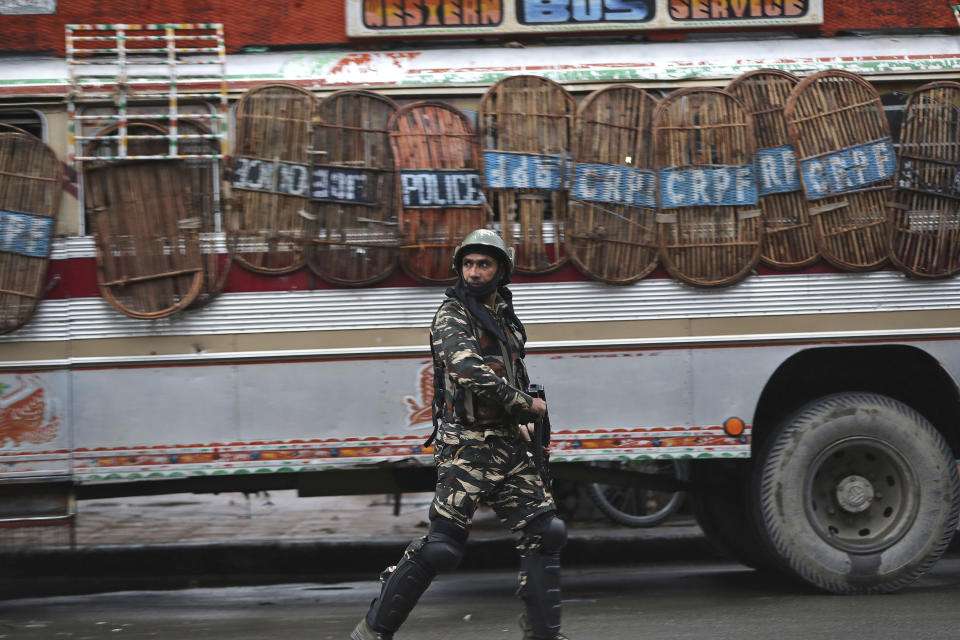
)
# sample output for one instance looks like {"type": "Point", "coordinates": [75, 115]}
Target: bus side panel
{"type": "Point", "coordinates": [335, 399]}
{"type": "Point", "coordinates": [728, 381]}
{"type": "Point", "coordinates": [149, 406]}
{"type": "Point", "coordinates": [615, 389]}
{"type": "Point", "coordinates": [35, 436]}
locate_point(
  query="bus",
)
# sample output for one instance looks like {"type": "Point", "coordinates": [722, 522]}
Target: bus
{"type": "Point", "coordinates": [812, 401]}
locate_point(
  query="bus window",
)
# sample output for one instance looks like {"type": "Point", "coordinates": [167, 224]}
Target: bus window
{"type": "Point", "coordinates": [26, 120]}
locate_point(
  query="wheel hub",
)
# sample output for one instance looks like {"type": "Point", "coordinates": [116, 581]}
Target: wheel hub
{"type": "Point", "coordinates": [861, 495]}
{"type": "Point", "coordinates": [855, 494]}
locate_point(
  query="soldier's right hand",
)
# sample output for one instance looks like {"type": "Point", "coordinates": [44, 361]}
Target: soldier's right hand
{"type": "Point", "coordinates": [539, 407]}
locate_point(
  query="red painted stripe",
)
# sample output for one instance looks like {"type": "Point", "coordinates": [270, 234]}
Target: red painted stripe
{"type": "Point", "coordinates": [77, 278]}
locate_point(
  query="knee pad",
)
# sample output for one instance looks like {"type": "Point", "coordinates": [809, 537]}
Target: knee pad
{"type": "Point", "coordinates": [443, 549]}
{"type": "Point", "coordinates": [554, 536]}
{"type": "Point", "coordinates": [552, 532]}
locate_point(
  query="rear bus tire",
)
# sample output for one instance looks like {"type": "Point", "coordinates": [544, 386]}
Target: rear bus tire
{"type": "Point", "coordinates": [633, 506]}
{"type": "Point", "coordinates": [722, 504]}
{"type": "Point", "coordinates": [857, 493]}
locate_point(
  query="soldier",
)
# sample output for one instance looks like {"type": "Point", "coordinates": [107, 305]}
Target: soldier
{"type": "Point", "coordinates": [482, 438]}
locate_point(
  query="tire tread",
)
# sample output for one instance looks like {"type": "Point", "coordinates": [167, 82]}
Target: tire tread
{"type": "Point", "coordinates": [767, 491]}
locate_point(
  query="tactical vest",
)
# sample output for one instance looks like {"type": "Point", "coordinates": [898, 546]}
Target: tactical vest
{"type": "Point", "coordinates": [456, 404]}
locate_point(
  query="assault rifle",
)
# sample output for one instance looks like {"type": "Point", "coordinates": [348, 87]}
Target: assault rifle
{"type": "Point", "coordinates": [541, 438]}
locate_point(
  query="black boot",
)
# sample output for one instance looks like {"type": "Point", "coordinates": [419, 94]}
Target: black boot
{"type": "Point", "coordinates": [528, 632]}
{"type": "Point", "coordinates": [363, 632]}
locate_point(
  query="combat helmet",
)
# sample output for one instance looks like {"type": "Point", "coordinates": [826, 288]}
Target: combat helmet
{"type": "Point", "coordinates": [488, 240]}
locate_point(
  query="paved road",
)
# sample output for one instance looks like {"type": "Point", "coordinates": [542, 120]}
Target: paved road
{"type": "Point", "coordinates": [714, 601]}
{"type": "Point", "coordinates": [160, 542]}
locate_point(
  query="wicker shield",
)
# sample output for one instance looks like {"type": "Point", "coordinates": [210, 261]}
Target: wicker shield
{"type": "Point", "coordinates": [270, 208]}
{"type": "Point", "coordinates": [30, 188]}
{"type": "Point", "coordinates": [709, 222]}
{"type": "Point", "coordinates": [354, 236]}
{"type": "Point", "coordinates": [150, 220]}
{"type": "Point", "coordinates": [847, 161]}
{"type": "Point", "coordinates": [526, 124]}
{"type": "Point", "coordinates": [439, 191]}
{"type": "Point", "coordinates": [149, 259]}
{"type": "Point", "coordinates": [788, 241]}
{"type": "Point", "coordinates": [925, 216]}
{"type": "Point", "coordinates": [612, 234]}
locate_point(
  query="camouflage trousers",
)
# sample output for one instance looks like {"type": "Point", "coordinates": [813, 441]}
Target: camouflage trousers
{"type": "Point", "coordinates": [498, 473]}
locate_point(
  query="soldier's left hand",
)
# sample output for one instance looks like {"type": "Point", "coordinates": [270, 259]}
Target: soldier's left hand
{"type": "Point", "coordinates": [526, 432]}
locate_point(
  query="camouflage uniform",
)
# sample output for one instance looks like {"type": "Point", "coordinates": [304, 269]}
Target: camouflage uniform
{"type": "Point", "coordinates": [479, 453]}
{"type": "Point", "coordinates": [480, 456]}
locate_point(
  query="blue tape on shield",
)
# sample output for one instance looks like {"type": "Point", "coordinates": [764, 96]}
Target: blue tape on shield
{"type": "Point", "coordinates": [426, 188]}
{"type": "Point", "coordinates": [615, 184]}
{"type": "Point", "coordinates": [524, 171]}
{"type": "Point", "coordinates": [716, 185]}
{"type": "Point", "coordinates": [777, 171]}
{"type": "Point", "coordinates": [25, 234]}
{"type": "Point", "coordinates": [849, 169]}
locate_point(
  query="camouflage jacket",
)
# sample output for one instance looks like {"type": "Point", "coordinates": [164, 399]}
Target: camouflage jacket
{"type": "Point", "coordinates": [479, 400]}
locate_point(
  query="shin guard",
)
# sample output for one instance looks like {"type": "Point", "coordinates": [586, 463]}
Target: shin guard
{"type": "Point", "coordinates": [540, 577]}
{"type": "Point", "coordinates": [439, 551]}
{"type": "Point", "coordinates": [402, 587]}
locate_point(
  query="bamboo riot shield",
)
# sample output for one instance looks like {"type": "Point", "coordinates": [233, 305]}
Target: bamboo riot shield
{"type": "Point", "coordinates": [526, 125]}
{"type": "Point", "coordinates": [709, 222]}
{"type": "Point", "coordinates": [149, 257]}
{"type": "Point", "coordinates": [354, 236]}
{"type": "Point", "coordinates": [847, 162]}
{"type": "Point", "coordinates": [269, 214]}
{"type": "Point", "coordinates": [439, 190]}
{"type": "Point", "coordinates": [788, 240]}
{"type": "Point", "coordinates": [150, 217]}
{"type": "Point", "coordinates": [611, 234]}
{"type": "Point", "coordinates": [30, 188]}
{"type": "Point", "coordinates": [925, 213]}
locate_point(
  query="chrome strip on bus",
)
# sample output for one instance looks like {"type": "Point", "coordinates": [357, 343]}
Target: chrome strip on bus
{"type": "Point", "coordinates": [537, 303]}
{"type": "Point", "coordinates": [294, 355]}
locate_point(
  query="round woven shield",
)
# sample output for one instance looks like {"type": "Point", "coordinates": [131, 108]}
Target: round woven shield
{"type": "Point", "coordinates": [30, 188]}
{"type": "Point", "coordinates": [611, 234]}
{"type": "Point", "coordinates": [526, 128]}
{"type": "Point", "coordinates": [709, 221]}
{"type": "Point", "coordinates": [925, 214]}
{"type": "Point", "coordinates": [270, 183]}
{"type": "Point", "coordinates": [847, 162]}
{"type": "Point", "coordinates": [788, 240]}
{"type": "Point", "coordinates": [354, 234]}
{"type": "Point", "coordinates": [150, 261]}
{"type": "Point", "coordinates": [439, 193]}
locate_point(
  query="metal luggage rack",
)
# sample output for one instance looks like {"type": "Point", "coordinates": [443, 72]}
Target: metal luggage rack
{"type": "Point", "coordinates": [153, 67]}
